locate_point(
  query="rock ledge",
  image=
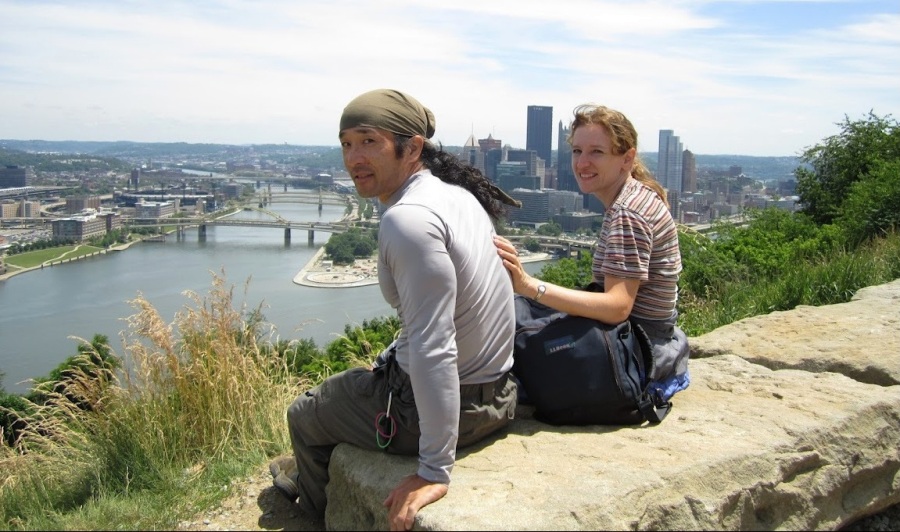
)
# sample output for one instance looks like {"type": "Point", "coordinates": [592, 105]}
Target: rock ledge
{"type": "Point", "coordinates": [792, 421]}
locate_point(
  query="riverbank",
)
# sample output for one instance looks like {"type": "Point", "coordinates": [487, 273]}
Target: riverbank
{"type": "Point", "coordinates": [15, 270]}
{"type": "Point", "coordinates": [323, 274]}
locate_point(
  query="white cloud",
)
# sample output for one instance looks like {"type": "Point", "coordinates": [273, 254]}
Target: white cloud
{"type": "Point", "coordinates": [281, 71]}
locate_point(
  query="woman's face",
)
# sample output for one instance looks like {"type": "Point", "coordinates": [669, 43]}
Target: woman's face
{"type": "Point", "coordinates": [598, 170]}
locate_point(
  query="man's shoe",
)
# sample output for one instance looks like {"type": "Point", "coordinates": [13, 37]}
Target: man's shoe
{"type": "Point", "coordinates": [285, 464]}
{"type": "Point", "coordinates": [287, 486]}
{"type": "Point", "coordinates": [284, 474]}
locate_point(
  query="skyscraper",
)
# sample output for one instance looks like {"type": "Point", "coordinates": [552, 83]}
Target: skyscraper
{"type": "Point", "coordinates": [565, 176]}
{"type": "Point", "coordinates": [472, 153]}
{"type": "Point", "coordinates": [689, 168]}
{"type": "Point", "coordinates": [669, 161]}
{"type": "Point", "coordinates": [539, 132]}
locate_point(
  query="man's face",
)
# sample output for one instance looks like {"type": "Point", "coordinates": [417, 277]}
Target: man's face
{"type": "Point", "coordinates": [370, 158]}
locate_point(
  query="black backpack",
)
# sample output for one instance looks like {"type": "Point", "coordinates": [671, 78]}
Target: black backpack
{"type": "Point", "coordinates": [579, 371]}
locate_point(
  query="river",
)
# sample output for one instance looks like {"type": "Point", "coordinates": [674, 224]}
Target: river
{"type": "Point", "coordinates": [40, 310]}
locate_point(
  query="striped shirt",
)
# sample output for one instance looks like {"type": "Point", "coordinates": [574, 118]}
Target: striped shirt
{"type": "Point", "coordinates": [639, 240]}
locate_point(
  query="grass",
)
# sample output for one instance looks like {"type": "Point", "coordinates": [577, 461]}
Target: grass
{"type": "Point", "coordinates": [820, 281]}
{"type": "Point", "coordinates": [32, 259]}
{"type": "Point", "coordinates": [201, 404]}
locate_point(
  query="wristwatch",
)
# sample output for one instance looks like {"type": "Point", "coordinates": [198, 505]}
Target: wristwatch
{"type": "Point", "coordinates": [540, 291]}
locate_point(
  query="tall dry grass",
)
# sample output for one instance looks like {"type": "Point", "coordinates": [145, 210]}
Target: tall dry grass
{"type": "Point", "coordinates": [199, 400]}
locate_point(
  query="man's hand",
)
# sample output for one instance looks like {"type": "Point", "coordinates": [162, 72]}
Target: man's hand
{"type": "Point", "coordinates": [409, 497]}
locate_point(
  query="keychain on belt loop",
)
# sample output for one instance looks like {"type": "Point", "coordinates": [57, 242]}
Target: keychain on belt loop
{"type": "Point", "coordinates": [384, 425]}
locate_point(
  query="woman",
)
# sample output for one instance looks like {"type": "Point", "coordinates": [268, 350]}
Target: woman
{"type": "Point", "coordinates": [637, 260]}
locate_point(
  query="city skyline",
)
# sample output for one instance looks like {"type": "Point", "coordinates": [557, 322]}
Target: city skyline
{"type": "Point", "coordinates": [764, 78]}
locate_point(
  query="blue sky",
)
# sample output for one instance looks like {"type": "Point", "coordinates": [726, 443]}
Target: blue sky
{"type": "Point", "coordinates": [748, 77]}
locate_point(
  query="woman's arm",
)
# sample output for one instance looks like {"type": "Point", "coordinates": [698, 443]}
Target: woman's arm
{"type": "Point", "coordinates": [611, 306]}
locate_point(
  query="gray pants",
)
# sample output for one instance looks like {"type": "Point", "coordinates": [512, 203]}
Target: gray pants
{"type": "Point", "coordinates": [343, 410]}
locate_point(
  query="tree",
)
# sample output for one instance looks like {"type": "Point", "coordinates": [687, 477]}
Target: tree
{"type": "Point", "coordinates": [870, 209]}
{"type": "Point", "coordinates": [343, 248]}
{"type": "Point", "coordinates": [531, 244]}
{"type": "Point", "coordinates": [550, 229]}
{"type": "Point", "coordinates": [570, 273]}
{"type": "Point", "coordinates": [843, 159]}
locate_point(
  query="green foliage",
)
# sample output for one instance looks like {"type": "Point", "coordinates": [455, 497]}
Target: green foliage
{"type": "Point", "coordinates": [843, 159]}
{"type": "Point", "coordinates": [531, 244]}
{"type": "Point", "coordinates": [55, 162]}
{"type": "Point", "coordinates": [43, 243]}
{"type": "Point", "coordinates": [368, 209]}
{"type": "Point", "coordinates": [344, 248]}
{"type": "Point", "coordinates": [549, 229]}
{"type": "Point", "coordinates": [94, 361]}
{"type": "Point", "coordinates": [571, 273]}
{"type": "Point", "coordinates": [832, 278]}
{"type": "Point", "coordinates": [359, 345]}
{"type": "Point", "coordinates": [14, 409]}
{"type": "Point", "coordinates": [111, 238]}
{"type": "Point", "coordinates": [872, 207]}
{"type": "Point", "coordinates": [772, 240]}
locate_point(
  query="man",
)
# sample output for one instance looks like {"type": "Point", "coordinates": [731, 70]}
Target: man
{"type": "Point", "coordinates": [444, 382]}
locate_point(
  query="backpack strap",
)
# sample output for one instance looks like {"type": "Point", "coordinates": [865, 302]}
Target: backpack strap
{"type": "Point", "coordinates": [653, 412]}
{"type": "Point", "coordinates": [653, 408]}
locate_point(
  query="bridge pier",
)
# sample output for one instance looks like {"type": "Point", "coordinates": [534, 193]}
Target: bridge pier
{"type": "Point", "coordinates": [287, 234]}
{"type": "Point", "coordinates": [201, 231]}
{"type": "Point", "coordinates": [311, 234]}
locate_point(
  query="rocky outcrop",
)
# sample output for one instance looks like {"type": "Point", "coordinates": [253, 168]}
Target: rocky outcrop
{"type": "Point", "coordinates": [792, 421]}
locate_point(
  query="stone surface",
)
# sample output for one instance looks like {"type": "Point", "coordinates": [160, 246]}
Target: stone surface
{"type": "Point", "coordinates": [795, 429]}
{"type": "Point", "coordinates": [860, 339]}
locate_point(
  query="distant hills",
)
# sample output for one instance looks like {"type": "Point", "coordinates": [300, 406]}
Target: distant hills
{"type": "Point", "coordinates": [763, 168]}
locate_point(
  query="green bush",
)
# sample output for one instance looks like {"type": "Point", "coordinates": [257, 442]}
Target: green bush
{"type": "Point", "coordinates": [872, 207]}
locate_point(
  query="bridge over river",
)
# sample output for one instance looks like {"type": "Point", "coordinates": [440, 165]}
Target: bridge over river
{"type": "Point", "coordinates": [276, 221]}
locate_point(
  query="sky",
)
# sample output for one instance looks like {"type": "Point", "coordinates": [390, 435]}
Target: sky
{"type": "Point", "coordinates": [754, 77]}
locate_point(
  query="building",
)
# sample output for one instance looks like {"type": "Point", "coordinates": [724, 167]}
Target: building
{"type": "Point", "coordinates": [154, 209]}
{"type": "Point", "coordinates": [490, 143]}
{"type": "Point", "coordinates": [593, 204]}
{"type": "Point", "coordinates": [472, 154]}
{"type": "Point", "coordinates": [674, 199]}
{"type": "Point", "coordinates": [511, 175]}
{"type": "Point", "coordinates": [233, 190]}
{"type": "Point", "coordinates": [9, 209]}
{"type": "Point", "coordinates": [20, 209]}
{"type": "Point", "coordinates": [77, 204]}
{"type": "Point", "coordinates": [12, 176]}
{"type": "Point", "coordinates": [529, 157]}
{"type": "Point", "coordinates": [689, 172]}
{"type": "Point", "coordinates": [564, 201]}
{"type": "Point", "coordinates": [492, 158]}
{"type": "Point", "coordinates": [540, 206]}
{"type": "Point", "coordinates": [535, 209]}
{"type": "Point", "coordinates": [134, 182]}
{"type": "Point", "coordinates": [565, 177]}
{"type": "Point", "coordinates": [669, 161]}
{"type": "Point", "coordinates": [539, 132]}
{"type": "Point", "coordinates": [82, 227]}
{"type": "Point", "coordinates": [572, 222]}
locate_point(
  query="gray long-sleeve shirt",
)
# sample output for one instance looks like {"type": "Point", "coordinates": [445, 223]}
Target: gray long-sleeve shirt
{"type": "Point", "coordinates": [438, 266]}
